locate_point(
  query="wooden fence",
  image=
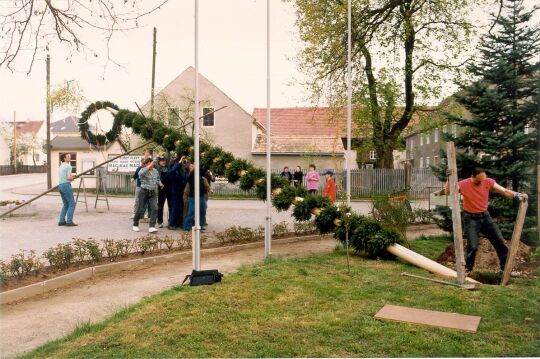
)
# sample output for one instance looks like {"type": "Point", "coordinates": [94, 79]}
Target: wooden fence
{"type": "Point", "coordinates": [364, 183]}
{"type": "Point", "coordinates": [21, 169]}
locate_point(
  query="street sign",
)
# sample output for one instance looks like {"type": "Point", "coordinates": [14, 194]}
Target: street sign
{"type": "Point", "coordinates": [124, 164]}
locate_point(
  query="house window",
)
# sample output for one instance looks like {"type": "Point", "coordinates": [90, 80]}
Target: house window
{"type": "Point", "coordinates": [372, 155]}
{"type": "Point", "coordinates": [427, 162]}
{"type": "Point", "coordinates": [421, 162]}
{"type": "Point", "coordinates": [454, 130]}
{"type": "Point", "coordinates": [173, 116]}
{"type": "Point", "coordinates": [428, 135]}
{"type": "Point", "coordinates": [412, 154]}
{"type": "Point", "coordinates": [435, 160]}
{"type": "Point", "coordinates": [208, 117]}
{"type": "Point", "coordinates": [436, 135]}
{"type": "Point", "coordinates": [412, 142]}
{"type": "Point", "coordinates": [527, 129]}
{"type": "Point", "coordinates": [421, 139]}
{"type": "Point", "coordinates": [73, 161]}
{"type": "Point", "coordinates": [445, 129]}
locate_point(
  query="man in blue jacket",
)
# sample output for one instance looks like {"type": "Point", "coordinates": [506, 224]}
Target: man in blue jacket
{"type": "Point", "coordinates": [177, 182]}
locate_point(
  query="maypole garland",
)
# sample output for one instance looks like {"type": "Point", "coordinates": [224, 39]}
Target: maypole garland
{"type": "Point", "coordinates": [98, 140]}
{"type": "Point", "coordinates": [366, 234]}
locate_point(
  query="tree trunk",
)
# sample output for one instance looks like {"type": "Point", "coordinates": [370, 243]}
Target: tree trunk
{"type": "Point", "coordinates": [385, 158]}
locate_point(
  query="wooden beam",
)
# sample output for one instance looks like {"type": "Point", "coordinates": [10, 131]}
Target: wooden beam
{"type": "Point", "coordinates": [456, 212]}
{"type": "Point", "coordinates": [514, 243]}
{"type": "Point", "coordinates": [77, 175]}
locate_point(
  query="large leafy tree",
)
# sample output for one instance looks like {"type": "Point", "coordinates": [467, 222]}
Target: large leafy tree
{"type": "Point", "coordinates": [503, 100]}
{"type": "Point", "coordinates": [402, 51]}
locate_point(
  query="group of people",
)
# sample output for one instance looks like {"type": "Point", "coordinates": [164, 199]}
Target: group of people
{"type": "Point", "coordinates": [312, 181]}
{"type": "Point", "coordinates": [159, 182]}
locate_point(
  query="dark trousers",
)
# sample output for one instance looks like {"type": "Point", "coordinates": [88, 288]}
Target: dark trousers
{"type": "Point", "coordinates": [312, 191]}
{"type": "Point", "coordinates": [146, 198]}
{"type": "Point", "coordinates": [476, 223]}
{"type": "Point", "coordinates": [176, 210]}
{"type": "Point", "coordinates": [189, 220]}
{"type": "Point", "coordinates": [162, 197]}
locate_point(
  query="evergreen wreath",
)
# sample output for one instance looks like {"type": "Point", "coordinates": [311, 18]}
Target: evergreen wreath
{"type": "Point", "coordinates": [98, 140]}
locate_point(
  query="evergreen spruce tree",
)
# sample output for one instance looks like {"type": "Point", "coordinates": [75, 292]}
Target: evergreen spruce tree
{"type": "Point", "coordinates": [499, 135]}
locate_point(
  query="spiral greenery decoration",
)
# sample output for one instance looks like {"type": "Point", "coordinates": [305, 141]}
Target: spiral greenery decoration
{"type": "Point", "coordinates": [365, 234]}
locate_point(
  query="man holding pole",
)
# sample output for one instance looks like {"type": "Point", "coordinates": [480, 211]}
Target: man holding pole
{"type": "Point", "coordinates": [476, 218]}
{"type": "Point", "coordinates": [65, 176]}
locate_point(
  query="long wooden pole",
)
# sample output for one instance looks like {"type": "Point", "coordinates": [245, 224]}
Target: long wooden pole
{"type": "Point", "coordinates": [48, 143]}
{"type": "Point", "coordinates": [268, 223]}
{"type": "Point", "coordinates": [153, 75]}
{"type": "Point", "coordinates": [78, 175]}
{"type": "Point", "coordinates": [514, 243]}
{"type": "Point", "coordinates": [456, 213]}
{"type": "Point", "coordinates": [14, 144]}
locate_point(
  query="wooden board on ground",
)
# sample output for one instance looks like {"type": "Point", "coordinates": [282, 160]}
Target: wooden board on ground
{"type": "Point", "coordinates": [397, 313]}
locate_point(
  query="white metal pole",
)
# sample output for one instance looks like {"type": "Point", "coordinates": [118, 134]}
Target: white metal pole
{"type": "Point", "coordinates": [197, 229]}
{"type": "Point", "coordinates": [349, 101]}
{"type": "Point", "coordinates": [268, 231]}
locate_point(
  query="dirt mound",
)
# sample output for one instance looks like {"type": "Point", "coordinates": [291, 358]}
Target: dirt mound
{"type": "Point", "coordinates": [487, 260]}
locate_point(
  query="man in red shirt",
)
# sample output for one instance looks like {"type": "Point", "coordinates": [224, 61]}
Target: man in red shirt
{"type": "Point", "coordinates": [476, 218]}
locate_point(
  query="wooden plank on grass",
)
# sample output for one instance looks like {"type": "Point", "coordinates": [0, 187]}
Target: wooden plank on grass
{"type": "Point", "coordinates": [514, 243]}
{"type": "Point", "coordinates": [397, 313]}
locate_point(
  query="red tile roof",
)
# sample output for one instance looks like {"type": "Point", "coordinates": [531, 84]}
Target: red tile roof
{"type": "Point", "coordinates": [304, 121]}
{"type": "Point", "coordinates": [28, 126]}
{"type": "Point", "coordinates": [295, 144]}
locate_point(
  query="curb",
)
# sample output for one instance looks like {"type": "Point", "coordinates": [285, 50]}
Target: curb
{"type": "Point", "coordinates": [91, 272]}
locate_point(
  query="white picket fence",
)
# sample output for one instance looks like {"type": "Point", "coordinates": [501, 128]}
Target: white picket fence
{"type": "Point", "coordinates": [418, 183]}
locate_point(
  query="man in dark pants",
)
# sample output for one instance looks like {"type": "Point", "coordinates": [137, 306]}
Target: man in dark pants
{"type": "Point", "coordinates": [475, 191]}
{"type": "Point", "coordinates": [150, 181]}
{"type": "Point", "coordinates": [164, 192]}
{"type": "Point", "coordinates": [177, 182]}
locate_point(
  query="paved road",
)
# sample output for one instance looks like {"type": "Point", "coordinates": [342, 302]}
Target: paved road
{"type": "Point", "coordinates": [40, 231]}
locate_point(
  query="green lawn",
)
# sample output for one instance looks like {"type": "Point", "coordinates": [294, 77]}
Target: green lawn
{"type": "Point", "coordinates": [311, 307]}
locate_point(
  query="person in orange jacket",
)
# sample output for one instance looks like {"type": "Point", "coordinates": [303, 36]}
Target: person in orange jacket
{"type": "Point", "coordinates": [330, 188]}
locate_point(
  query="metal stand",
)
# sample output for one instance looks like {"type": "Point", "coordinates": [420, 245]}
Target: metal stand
{"type": "Point", "coordinates": [81, 184]}
{"type": "Point", "coordinates": [100, 183]}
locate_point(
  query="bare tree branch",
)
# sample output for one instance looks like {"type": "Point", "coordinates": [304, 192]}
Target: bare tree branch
{"type": "Point", "coordinates": [31, 25]}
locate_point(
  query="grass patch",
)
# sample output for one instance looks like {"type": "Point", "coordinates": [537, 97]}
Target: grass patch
{"type": "Point", "coordinates": [310, 307]}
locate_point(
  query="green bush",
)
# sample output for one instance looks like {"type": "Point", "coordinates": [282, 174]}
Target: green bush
{"type": "Point", "coordinates": [393, 211]}
{"type": "Point", "coordinates": [280, 229]}
{"type": "Point", "coordinates": [325, 220]}
{"type": "Point", "coordinates": [443, 218]}
{"type": "Point", "coordinates": [61, 256]}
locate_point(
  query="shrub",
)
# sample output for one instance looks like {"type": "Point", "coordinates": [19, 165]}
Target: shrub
{"type": "Point", "coordinates": [168, 241]}
{"type": "Point", "coordinates": [304, 228]}
{"type": "Point", "coordinates": [393, 211]}
{"type": "Point", "coordinates": [422, 216]}
{"type": "Point", "coordinates": [4, 273]}
{"type": "Point", "coordinates": [443, 218]}
{"type": "Point", "coordinates": [93, 250]}
{"type": "Point", "coordinates": [148, 243]}
{"type": "Point", "coordinates": [61, 256]}
{"type": "Point", "coordinates": [280, 229]}
{"type": "Point", "coordinates": [111, 248]}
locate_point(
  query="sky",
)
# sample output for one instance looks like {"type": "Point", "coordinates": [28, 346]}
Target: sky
{"type": "Point", "coordinates": [232, 54]}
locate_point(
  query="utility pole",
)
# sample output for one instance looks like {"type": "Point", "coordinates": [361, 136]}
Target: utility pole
{"type": "Point", "coordinates": [14, 144]}
{"type": "Point", "coordinates": [48, 145]}
{"type": "Point", "coordinates": [153, 76]}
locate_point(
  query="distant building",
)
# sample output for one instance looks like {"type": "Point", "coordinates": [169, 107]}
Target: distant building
{"type": "Point", "coordinates": [32, 134]}
{"type": "Point", "coordinates": [423, 147]}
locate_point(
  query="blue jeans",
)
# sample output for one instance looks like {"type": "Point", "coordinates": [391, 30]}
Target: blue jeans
{"type": "Point", "coordinates": [66, 192]}
{"type": "Point", "coordinates": [189, 221]}
{"type": "Point", "coordinates": [475, 223]}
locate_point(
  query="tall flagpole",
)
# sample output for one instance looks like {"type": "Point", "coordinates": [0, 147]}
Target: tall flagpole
{"type": "Point", "coordinates": [197, 228]}
{"type": "Point", "coordinates": [268, 231]}
{"type": "Point", "coordinates": [349, 100]}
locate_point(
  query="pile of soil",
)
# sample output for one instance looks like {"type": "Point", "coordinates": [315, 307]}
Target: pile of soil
{"type": "Point", "coordinates": [487, 260]}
